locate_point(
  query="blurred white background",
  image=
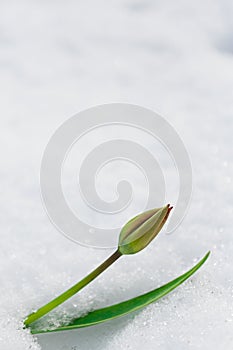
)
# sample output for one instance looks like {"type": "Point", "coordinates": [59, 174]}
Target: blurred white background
{"type": "Point", "coordinates": [175, 57]}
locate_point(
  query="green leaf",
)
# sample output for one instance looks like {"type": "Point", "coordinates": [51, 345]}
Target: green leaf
{"type": "Point", "coordinates": [123, 308]}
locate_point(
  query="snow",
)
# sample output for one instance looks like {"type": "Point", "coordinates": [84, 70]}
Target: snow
{"type": "Point", "coordinates": [58, 58]}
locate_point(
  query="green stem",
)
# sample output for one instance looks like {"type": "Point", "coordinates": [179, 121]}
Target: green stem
{"type": "Point", "coordinates": [73, 290]}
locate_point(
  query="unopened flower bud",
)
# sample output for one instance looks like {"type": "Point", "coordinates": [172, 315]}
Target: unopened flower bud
{"type": "Point", "coordinates": [142, 229]}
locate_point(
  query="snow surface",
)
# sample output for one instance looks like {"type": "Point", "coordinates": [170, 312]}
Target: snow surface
{"type": "Point", "coordinates": [59, 57]}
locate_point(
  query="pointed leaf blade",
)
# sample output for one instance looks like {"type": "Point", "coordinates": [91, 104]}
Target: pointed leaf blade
{"type": "Point", "coordinates": [125, 307]}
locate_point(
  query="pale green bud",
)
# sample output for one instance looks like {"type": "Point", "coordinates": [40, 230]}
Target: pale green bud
{"type": "Point", "coordinates": [142, 229]}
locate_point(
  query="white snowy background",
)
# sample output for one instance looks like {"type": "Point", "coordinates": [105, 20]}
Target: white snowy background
{"type": "Point", "coordinates": [59, 57]}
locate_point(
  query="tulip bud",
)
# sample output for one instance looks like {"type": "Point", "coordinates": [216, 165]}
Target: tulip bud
{"type": "Point", "coordinates": [142, 229]}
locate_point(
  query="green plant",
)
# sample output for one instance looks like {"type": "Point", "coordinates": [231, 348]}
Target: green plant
{"type": "Point", "coordinates": [134, 237]}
